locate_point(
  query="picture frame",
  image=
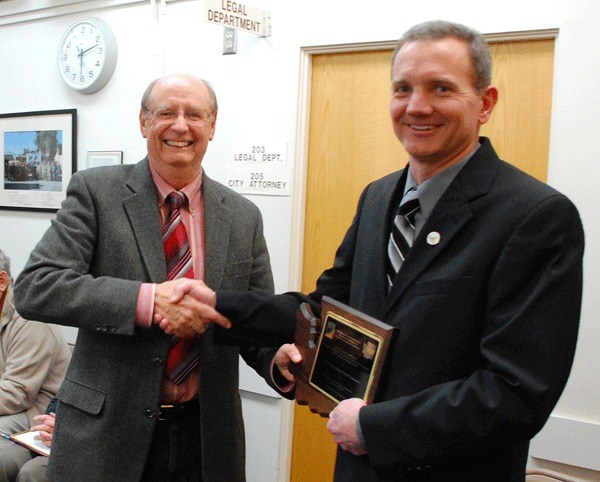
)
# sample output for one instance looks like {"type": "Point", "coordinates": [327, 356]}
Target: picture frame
{"type": "Point", "coordinates": [40, 156]}
{"type": "Point", "coordinates": [104, 158]}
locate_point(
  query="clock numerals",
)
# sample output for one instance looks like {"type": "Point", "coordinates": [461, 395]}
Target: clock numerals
{"type": "Point", "coordinates": [87, 55]}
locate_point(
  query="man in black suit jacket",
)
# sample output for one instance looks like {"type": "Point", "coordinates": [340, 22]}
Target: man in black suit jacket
{"type": "Point", "coordinates": [486, 303]}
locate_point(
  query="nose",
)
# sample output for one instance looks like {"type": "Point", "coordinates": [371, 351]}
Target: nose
{"type": "Point", "coordinates": [180, 122]}
{"type": "Point", "coordinates": [418, 103]}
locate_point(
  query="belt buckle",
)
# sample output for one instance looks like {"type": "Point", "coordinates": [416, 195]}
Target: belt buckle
{"type": "Point", "coordinates": [160, 411]}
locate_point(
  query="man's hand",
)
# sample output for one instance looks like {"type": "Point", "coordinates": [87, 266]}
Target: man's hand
{"type": "Point", "coordinates": [285, 356]}
{"type": "Point", "coordinates": [342, 425]}
{"type": "Point", "coordinates": [182, 314]}
{"type": "Point", "coordinates": [196, 289]}
{"type": "Point", "coordinates": [45, 429]}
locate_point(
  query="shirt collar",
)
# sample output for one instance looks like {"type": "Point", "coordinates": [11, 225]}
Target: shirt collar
{"type": "Point", "coordinates": [163, 188]}
{"type": "Point", "coordinates": [430, 191]}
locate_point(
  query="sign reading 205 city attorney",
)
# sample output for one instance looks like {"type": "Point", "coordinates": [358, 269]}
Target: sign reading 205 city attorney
{"type": "Point", "coordinates": [239, 16]}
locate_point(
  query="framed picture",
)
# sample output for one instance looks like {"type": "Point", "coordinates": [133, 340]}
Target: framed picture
{"type": "Point", "coordinates": [40, 156]}
{"type": "Point", "coordinates": [104, 158]}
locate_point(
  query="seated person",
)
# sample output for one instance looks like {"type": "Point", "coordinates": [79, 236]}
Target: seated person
{"type": "Point", "coordinates": [17, 463]}
{"type": "Point", "coordinates": [33, 361]}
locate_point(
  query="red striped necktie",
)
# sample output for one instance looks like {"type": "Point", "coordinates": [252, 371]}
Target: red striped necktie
{"type": "Point", "coordinates": [183, 356]}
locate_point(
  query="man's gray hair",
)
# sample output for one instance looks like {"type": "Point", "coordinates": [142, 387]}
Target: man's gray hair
{"type": "Point", "coordinates": [5, 263]}
{"type": "Point", "coordinates": [481, 58]}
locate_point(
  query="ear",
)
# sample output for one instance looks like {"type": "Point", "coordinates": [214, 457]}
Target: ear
{"type": "Point", "coordinates": [4, 282]}
{"type": "Point", "coordinates": [488, 101]}
{"type": "Point", "coordinates": [213, 126]}
{"type": "Point", "coordinates": [143, 122]}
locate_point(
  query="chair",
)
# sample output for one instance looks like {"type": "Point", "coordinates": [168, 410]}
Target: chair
{"type": "Point", "coordinates": [541, 475]}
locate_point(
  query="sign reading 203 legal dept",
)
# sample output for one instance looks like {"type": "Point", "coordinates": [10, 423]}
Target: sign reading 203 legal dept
{"type": "Point", "coordinates": [259, 168]}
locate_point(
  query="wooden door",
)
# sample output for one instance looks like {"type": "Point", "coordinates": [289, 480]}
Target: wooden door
{"type": "Point", "coordinates": [351, 142]}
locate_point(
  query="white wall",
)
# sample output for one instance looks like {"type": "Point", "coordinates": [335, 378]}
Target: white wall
{"type": "Point", "coordinates": [258, 94]}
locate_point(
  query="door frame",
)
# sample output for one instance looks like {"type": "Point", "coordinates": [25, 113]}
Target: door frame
{"type": "Point", "coordinates": [300, 181]}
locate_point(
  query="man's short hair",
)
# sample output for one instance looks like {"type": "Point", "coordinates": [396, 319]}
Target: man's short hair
{"type": "Point", "coordinates": [4, 263]}
{"type": "Point", "coordinates": [211, 92]}
{"type": "Point", "coordinates": [481, 58]}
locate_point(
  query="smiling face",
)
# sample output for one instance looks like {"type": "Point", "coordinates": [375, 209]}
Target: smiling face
{"type": "Point", "coordinates": [436, 111]}
{"type": "Point", "coordinates": [176, 145]}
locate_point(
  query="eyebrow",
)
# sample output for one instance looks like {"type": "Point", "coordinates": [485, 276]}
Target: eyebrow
{"type": "Point", "coordinates": [431, 81]}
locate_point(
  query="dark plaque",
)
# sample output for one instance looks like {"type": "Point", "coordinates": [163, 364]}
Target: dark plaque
{"type": "Point", "coordinates": [343, 355]}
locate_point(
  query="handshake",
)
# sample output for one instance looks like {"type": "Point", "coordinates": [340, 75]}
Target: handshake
{"type": "Point", "coordinates": [186, 308]}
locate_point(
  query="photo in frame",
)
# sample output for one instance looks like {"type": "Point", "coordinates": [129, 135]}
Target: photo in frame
{"type": "Point", "coordinates": [104, 158]}
{"type": "Point", "coordinates": [40, 156]}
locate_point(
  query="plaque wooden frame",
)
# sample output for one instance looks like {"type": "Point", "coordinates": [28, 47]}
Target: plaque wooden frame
{"type": "Point", "coordinates": [343, 355]}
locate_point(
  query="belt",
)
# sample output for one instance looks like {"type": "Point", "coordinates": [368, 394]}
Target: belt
{"type": "Point", "coordinates": [178, 411]}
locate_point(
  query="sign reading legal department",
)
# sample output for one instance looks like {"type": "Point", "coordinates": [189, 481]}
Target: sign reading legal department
{"type": "Point", "coordinates": [259, 168]}
{"type": "Point", "coordinates": [239, 16]}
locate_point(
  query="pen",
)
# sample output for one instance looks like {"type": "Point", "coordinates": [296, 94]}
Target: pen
{"type": "Point", "coordinates": [6, 436]}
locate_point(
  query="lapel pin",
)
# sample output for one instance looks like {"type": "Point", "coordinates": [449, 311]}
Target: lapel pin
{"type": "Point", "coordinates": [433, 238]}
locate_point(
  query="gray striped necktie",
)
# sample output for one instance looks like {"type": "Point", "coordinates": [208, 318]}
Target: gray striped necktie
{"type": "Point", "coordinates": [402, 234]}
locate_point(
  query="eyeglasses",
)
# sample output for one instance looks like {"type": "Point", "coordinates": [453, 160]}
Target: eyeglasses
{"type": "Point", "coordinates": [192, 117]}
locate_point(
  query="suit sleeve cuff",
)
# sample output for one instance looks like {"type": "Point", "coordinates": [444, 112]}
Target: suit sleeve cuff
{"type": "Point", "coordinates": [359, 432]}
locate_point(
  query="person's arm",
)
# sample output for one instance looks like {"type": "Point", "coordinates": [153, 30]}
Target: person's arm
{"type": "Point", "coordinates": [269, 329]}
{"type": "Point", "coordinates": [28, 360]}
{"type": "Point", "coordinates": [62, 282]}
{"type": "Point", "coordinates": [56, 285]}
{"type": "Point", "coordinates": [259, 309]}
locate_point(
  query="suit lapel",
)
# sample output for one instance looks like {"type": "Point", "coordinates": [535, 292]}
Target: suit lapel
{"type": "Point", "coordinates": [143, 215]}
{"type": "Point", "coordinates": [391, 196]}
{"type": "Point", "coordinates": [449, 216]}
{"type": "Point", "coordinates": [421, 255]}
{"type": "Point", "coordinates": [217, 230]}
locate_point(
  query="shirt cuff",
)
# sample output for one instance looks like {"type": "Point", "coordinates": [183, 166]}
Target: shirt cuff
{"type": "Point", "coordinates": [282, 383]}
{"type": "Point", "coordinates": [145, 305]}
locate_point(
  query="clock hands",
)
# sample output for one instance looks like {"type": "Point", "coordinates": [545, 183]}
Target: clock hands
{"type": "Point", "coordinates": [87, 50]}
{"type": "Point", "coordinates": [80, 54]}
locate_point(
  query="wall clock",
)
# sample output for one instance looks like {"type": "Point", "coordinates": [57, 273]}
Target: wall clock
{"type": "Point", "coordinates": [87, 55]}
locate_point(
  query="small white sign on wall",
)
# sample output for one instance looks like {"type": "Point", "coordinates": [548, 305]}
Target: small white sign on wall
{"type": "Point", "coordinates": [259, 168]}
{"type": "Point", "coordinates": [238, 16]}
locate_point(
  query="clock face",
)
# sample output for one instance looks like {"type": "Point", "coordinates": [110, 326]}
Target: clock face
{"type": "Point", "coordinates": [87, 55]}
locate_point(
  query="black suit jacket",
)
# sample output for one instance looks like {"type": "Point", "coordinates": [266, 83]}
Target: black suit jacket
{"type": "Point", "coordinates": [487, 323]}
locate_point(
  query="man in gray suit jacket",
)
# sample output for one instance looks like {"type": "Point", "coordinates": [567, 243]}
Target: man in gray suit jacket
{"type": "Point", "coordinates": [101, 267]}
{"type": "Point", "coordinates": [486, 301]}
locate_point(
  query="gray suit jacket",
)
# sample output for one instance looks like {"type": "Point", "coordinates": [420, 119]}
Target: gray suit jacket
{"type": "Point", "coordinates": [86, 272]}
